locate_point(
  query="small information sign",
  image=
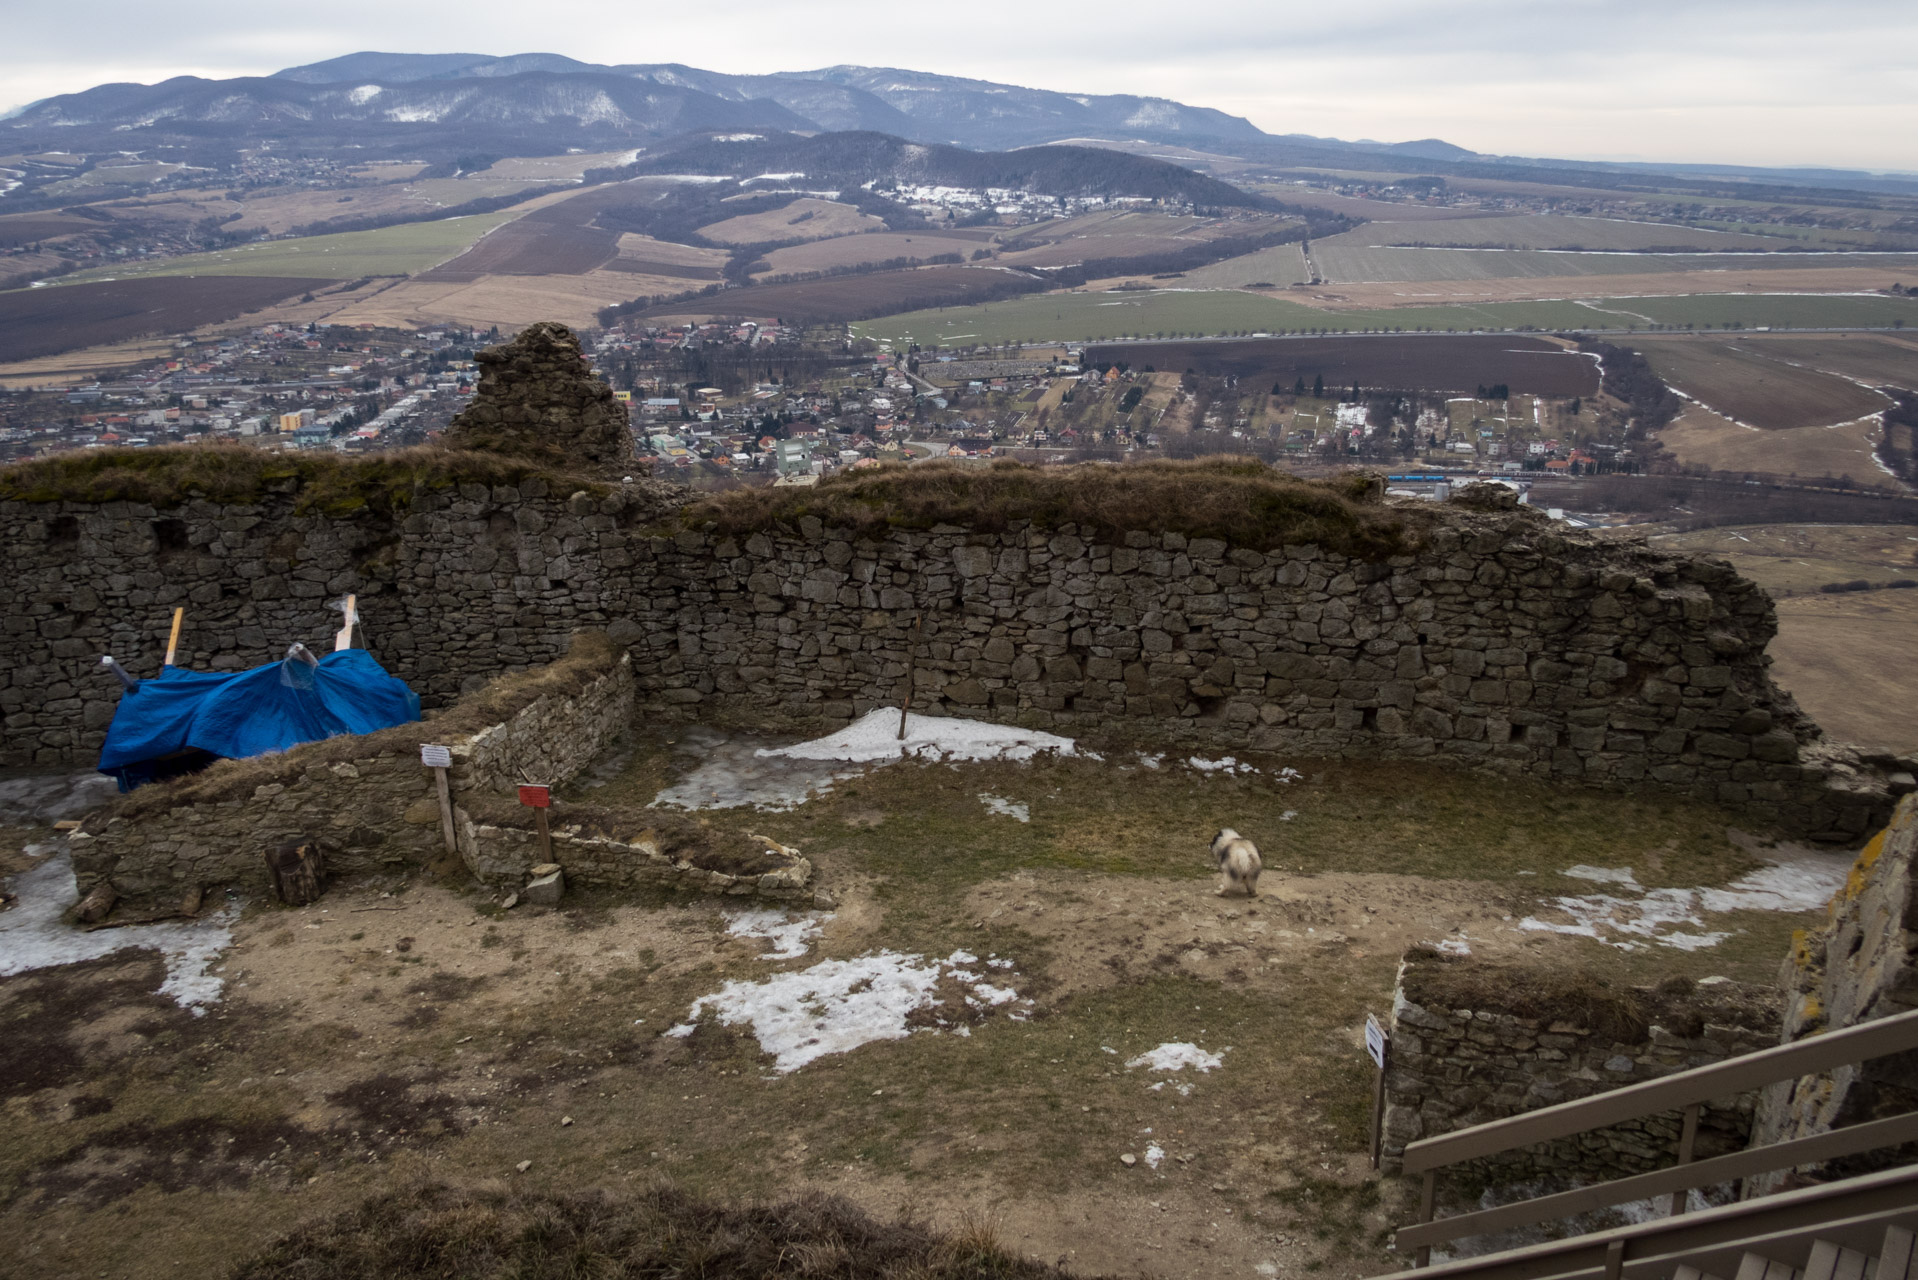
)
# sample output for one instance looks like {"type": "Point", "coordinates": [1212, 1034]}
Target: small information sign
{"type": "Point", "coordinates": [1375, 1041]}
{"type": "Point", "coordinates": [536, 797]}
{"type": "Point", "coordinates": [436, 757]}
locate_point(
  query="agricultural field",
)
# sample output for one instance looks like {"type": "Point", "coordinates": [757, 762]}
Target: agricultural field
{"type": "Point", "coordinates": [31, 228]}
{"type": "Point", "coordinates": [1281, 265]}
{"type": "Point", "coordinates": [1797, 559]}
{"type": "Point", "coordinates": [663, 257]}
{"type": "Point", "coordinates": [804, 219]}
{"type": "Point", "coordinates": [840, 298]}
{"type": "Point", "coordinates": [1093, 317]}
{"type": "Point", "coordinates": [44, 322]}
{"type": "Point", "coordinates": [1746, 383]}
{"type": "Point", "coordinates": [390, 251]}
{"type": "Point", "coordinates": [1545, 231]}
{"type": "Point", "coordinates": [506, 300]}
{"type": "Point", "coordinates": [1848, 660]}
{"type": "Point", "coordinates": [277, 212]}
{"type": "Point", "coordinates": [1067, 241]}
{"type": "Point", "coordinates": [874, 246]}
{"type": "Point", "coordinates": [1877, 359]}
{"type": "Point", "coordinates": [1348, 262]}
{"type": "Point", "coordinates": [562, 168]}
{"type": "Point", "coordinates": [1699, 437]}
{"type": "Point", "coordinates": [1429, 362]}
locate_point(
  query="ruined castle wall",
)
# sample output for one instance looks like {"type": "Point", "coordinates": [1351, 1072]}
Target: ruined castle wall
{"type": "Point", "coordinates": [1503, 643]}
{"type": "Point", "coordinates": [1862, 965]}
{"type": "Point", "coordinates": [1453, 1067]}
{"type": "Point", "coordinates": [373, 810]}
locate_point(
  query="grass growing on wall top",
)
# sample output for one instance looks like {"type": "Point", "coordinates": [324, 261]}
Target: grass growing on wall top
{"type": "Point", "coordinates": [1240, 501]}
{"type": "Point", "coordinates": [324, 483]}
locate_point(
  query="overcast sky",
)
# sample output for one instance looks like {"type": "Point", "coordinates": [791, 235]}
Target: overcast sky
{"type": "Point", "coordinates": [1764, 82]}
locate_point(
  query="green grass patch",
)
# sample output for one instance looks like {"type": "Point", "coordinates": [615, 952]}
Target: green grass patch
{"type": "Point", "coordinates": [401, 250]}
{"type": "Point", "coordinates": [1241, 501]}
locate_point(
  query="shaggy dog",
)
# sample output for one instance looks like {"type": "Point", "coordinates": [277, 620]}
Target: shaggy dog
{"type": "Point", "coordinates": [1239, 864]}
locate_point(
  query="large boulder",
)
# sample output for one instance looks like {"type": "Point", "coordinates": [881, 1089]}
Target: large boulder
{"type": "Point", "coordinates": [538, 398]}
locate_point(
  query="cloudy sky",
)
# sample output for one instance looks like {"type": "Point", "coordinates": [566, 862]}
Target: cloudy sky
{"type": "Point", "coordinates": [1765, 82]}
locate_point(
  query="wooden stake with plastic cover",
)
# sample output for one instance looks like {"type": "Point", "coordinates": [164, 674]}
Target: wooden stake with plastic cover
{"type": "Point", "coordinates": [344, 638]}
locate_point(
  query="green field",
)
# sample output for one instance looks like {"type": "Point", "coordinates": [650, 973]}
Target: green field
{"type": "Point", "coordinates": [1544, 231]}
{"type": "Point", "coordinates": [1359, 263]}
{"type": "Point", "coordinates": [1092, 317]}
{"type": "Point", "coordinates": [390, 251]}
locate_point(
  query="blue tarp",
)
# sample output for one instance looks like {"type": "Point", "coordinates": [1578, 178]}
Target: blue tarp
{"type": "Point", "coordinates": [182, 720]}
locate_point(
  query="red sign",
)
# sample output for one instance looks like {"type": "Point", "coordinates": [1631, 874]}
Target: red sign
{"type": "Point", "coordinates": [536, 797]}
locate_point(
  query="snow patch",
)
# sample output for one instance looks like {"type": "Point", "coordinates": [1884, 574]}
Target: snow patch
{"type": "Point", "coordinates": [1006, 808]}
{"type": "Point", "coordinates": [364, 94]}
{"type": "Point", "coordinates": [1154, 1156]}
{"type": "Point", "coordinates": [1178, 1055]}
{"type": "Point", "coordinates": [874, 737]}
{"type": "Point", "coordinates": [33, 936]}
{"type": "Point", "coordinates": [1228, 764]}
{"type": "Point", "coordinates": [790, 935]}
{"type": "Point", "coordinates": [1804, 882]}
{"type": "Point", "coordinates": [835, 1006]}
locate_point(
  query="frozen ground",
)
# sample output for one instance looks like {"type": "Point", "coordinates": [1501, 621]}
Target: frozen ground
{"type": "Point", "coordinates": [836, 1006]}
{"type": "Point", "coordinates": [1800, 880]}
{"type": "Point", "coordinates": [38, 798]}
{"type": "Point", "coordinates": [33, 936]}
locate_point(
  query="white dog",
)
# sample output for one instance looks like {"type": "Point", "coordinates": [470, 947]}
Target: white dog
{"type": "Point", "coordinates": [1239, 864]}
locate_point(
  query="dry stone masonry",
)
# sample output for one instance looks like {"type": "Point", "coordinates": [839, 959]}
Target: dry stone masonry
{"type": "Point", "coordinates": [1502, 643]}
{"type": "Point", "coordinates": [1862, 965]}
{"type": "Point", "coordinates": [538, 397]}
{"type": "Point", "coordinates": [1454, 1066]}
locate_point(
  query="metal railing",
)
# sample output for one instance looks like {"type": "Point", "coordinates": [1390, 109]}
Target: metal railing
{"type": "Point", "coordinates": [1687, 1090]}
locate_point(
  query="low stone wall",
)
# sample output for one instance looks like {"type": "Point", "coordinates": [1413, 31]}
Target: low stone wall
{"type": "Point", "coordinates": [1862, 965]}
{"type": "Point", "coordinates": [367, 800]}
{"type": "Point", "coordinates": [1454, 1064]}
{"type": "Point", "coordinates": [504, 853]}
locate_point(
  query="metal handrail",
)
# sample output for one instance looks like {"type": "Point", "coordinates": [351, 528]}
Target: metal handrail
{"type": "Point", "coordinates": [1891, 1132]}
{"type": "Point", "coordinates": [1742, 1074]}
{"type": "Point", "coordinates": [1847, 1213]}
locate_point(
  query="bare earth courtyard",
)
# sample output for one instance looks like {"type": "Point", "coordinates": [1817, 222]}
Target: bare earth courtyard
{"type": "Point", "coordinates": [1020, 1004]}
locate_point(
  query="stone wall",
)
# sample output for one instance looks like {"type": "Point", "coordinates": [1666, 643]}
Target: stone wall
{"type": "Point", "coordinates": [1455, 1064]}
{"type": "Point", "coordinates": [1862, 965]}
{"type": "Point", "coordinates": [1504, 643]}
{"type": "Point", "coordinates": [504, 852]}
{"type": "Point", "coordinates": [368, 800]}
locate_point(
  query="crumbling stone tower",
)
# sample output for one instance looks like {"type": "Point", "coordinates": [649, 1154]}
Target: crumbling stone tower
{"type": "Point", "coordinates": [537, 398]}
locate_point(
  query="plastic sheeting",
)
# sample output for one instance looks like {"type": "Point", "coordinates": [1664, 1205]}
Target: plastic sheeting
{"type": "Point", "coordinates": [182, 720]}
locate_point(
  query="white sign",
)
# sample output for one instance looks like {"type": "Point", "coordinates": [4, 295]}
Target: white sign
{"type": "Point", "coordinates": [1375, 1041]}
{"type": "Point", "coordinates": [435, 757]}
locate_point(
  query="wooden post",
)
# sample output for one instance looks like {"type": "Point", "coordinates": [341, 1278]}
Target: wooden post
{"type": "Point", "coordinates": [446, 811]}
{"type": "Point", "coordinates": [912, 658]}
{"type": "Point", "coordinates": [298, 869]}
{"type": "Point", "coordinates": [545, 837]}
{"type": "Point", "coordinates": [173, 640]}
{"type": "Point", "coordinates": [1428, 1200]}
{"type": "Point", "coordinates": [344, 638]}
{"type": "Point", "coordinates": [1682, 1200]}
{"type": "Point", "coordinates": [1378, 1106]}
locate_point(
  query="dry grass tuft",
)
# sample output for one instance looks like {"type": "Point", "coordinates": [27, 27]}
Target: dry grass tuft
{"type": "Point", "coordinates": [1240, 501]}
{"type": "Point", "coordinates": [452, 1234]}
{"type": "Point", "coordinates": [322, 482]}
{"type": "Point", "coordinates": [591, 656]}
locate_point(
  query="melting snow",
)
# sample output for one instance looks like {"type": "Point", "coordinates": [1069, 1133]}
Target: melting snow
{"type": "Point", "coordinates": [1802, 883]}
{"type": "Point", "coordinates": [33, 936]}
{"type": "Point", "coordinates": [1154, 1156]}
{"type": "Point", "coordinates": [1178, 1055]}
{"type": "Point", "coordinates": [874, 737]}
{"type": "Point", "coordinates": [837, 1005]}
{"type": "Point", "coordinates": [1228, 765]}
{"type": "Point", "coordinates": [1006, 808]}
{"type": "Point", "coordinates": [789, 935]}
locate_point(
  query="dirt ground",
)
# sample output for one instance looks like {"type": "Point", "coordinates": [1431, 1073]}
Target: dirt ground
{"type": "Point", "coordinates": [1797, 559]}
{"type": "Point", "coordinates": [406, 1028]}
